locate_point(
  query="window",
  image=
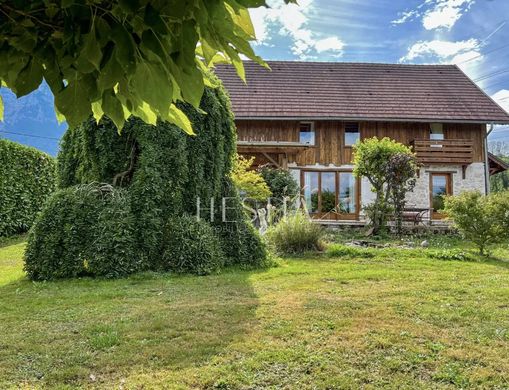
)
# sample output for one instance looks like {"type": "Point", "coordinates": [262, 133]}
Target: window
{"type": "Point", "coordinates": [307, 134]}
{"type": "Point", "coordinates": [436, 131]}
{"type": "Point", "coordinates": [330, 194]}
{"type": "Point", "coordinates": [440, 186]}
{"type": "Point", "coordinates": [352, 134]}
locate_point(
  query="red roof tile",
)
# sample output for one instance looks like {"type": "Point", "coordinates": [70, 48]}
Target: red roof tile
{"type": "Point", "coordinates": [356, 91]}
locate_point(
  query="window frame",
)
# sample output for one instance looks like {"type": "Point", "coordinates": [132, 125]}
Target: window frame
{"type": "Point", "coordinates": [345, 132]}
{"type": "Point", "coordinates": [311, 130]}
{"type": "Point", "coordinates": [331, 215]}
{"type": "Point", "coordinates": [448, 189]}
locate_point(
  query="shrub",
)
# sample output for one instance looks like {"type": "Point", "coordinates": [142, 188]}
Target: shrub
{"type": "Point", "coordinates": [27, 178]}
{"type": "Point", "coordinates": [249, 182]}
{"type": "Point", "coordinates": [484, 220]}
{"type": "Point", "coordinates": [282, 184]}
{"type": "Point", "coordinates": [241, 242]}
{"type": "Point", "coordinates": [338, 250]}
{"type": "Point", "coordinates": [295, 233]}
{"type": "Point", "coordinates": [191, 246]}
{"type": "Point", "coordinates": [390, 168]}
{"type": "Point", "coordinates": [82, 230]}
{"type": "Point", "coordinates": [450, 254]}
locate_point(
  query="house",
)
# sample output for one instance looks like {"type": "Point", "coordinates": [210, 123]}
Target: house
{"type": "Point", "coordinates": [306, 116]}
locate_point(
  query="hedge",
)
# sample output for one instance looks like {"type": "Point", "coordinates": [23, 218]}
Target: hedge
{"type": "Point", "coordinates": [27, 178]}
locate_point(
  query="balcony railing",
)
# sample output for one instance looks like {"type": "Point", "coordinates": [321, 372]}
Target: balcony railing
{"type": "Point", "coordinates": [451, 151]}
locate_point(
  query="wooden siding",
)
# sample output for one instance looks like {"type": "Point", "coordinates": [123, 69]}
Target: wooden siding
{"type": "Point", "coordinates": [329, 137]}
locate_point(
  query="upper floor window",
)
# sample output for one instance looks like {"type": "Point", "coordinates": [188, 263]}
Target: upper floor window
{"type": "Point", "coordinates": [352, 134]}
{"type": "Point", "coordinates": [436, 131]}
{"type": "Point", "coordinates": [307, 133]}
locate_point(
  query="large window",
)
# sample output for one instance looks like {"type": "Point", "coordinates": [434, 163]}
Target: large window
{"type": "Point", "coordinates": [440, 186]}
{"type": "Point", "coordinates": [330, 194]}
{"type": "Point", "coordinates": [352, 133]}
{"type": "Point", "coordinates": [307, 133]}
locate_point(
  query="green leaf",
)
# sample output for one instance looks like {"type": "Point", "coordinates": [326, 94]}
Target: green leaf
{"type": "Point", "coordinates": [113, 109]}
{"type": "Point", "coordinates": [97, 111]}
{"type": "Point", "coordinates": [1, 108]}
{"type": "Point", "coordinates": [153, 85]}
{"type": "Point", "coordinates": [91, 51]}
{"type": "Point", "coordinates": [146, 114]}
{"type": "Point", "coordinates": [29, 78]}
{"type": "Point", "coordinates": [177, 117]}
{"type": "Point", "coordinates": [73, 103]}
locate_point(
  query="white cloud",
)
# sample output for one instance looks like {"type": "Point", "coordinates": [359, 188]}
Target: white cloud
{"type": "Point", "coordinates": [292, 21]}
{"type": "Point", "coordinates": [502, 98]}
{"type": "Point", "coordinates": [332, 43]}
{"type": "Point", "coordinates": [405, 17]}
{"type": "Point", "coordinates": [438, 14]}
{"type": "Point", "coordinates": [443, 51]}
{"type": "Point", "coordinates": [445, 13]}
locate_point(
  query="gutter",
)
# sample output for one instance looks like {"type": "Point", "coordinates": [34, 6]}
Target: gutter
{"type": "Point", "coordinates": [487, 161]}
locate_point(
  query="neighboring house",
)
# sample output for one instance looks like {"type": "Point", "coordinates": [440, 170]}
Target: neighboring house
{"type": "Point", "coordinates": [306, 116]}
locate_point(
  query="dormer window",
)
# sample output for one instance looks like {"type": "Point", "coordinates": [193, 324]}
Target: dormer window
{"type": "Point", "coordinates": [352, 134]}
{"type": "Point", "coordinates": [307, 133]}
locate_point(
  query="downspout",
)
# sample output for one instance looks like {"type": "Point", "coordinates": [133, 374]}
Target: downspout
{"type": "Point", "coordinates": [486, 161]}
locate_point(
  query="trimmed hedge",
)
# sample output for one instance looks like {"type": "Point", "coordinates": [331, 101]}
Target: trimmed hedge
{"type": "Point", "coordinates": [27, 178]}
{"type": "Point", "coordinates": [83, 230]}
{"type": "Point", "coordinates": [191, 246]}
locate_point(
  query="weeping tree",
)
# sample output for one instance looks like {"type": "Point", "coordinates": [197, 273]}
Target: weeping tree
{"type": "Point", "coordinates": [390, 168]}
{"type": "Point", "coordinates": [122, 196]}
{"type": "Point", "coordinates": [122, 58]}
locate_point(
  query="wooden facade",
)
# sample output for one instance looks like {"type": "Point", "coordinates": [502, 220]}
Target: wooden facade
{"type": "Point", "coordinates": [329, 189]}
{"type": "Point", "coordinates": [329, 145]}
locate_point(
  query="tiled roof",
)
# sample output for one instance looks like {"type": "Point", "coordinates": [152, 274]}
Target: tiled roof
{"type": "Point", "coordinates": [340, 90]}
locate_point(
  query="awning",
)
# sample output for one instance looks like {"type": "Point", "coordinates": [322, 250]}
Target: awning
{"type": "Point", "coordinates": [497, 165]}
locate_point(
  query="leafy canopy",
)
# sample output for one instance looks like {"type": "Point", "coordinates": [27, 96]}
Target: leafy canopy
{"type": "Point", "coordinates": [122, 57]}
{"type": "Point", "coordinates": [390, 167]}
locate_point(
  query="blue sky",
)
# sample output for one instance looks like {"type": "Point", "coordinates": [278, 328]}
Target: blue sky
{"type": "Point", "coordinates": [471, 33]}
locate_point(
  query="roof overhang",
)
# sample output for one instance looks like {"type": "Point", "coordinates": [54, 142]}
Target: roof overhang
{"type": "Point", "coordinates": [496, 164]}
{"type": "Point", "coordinates": [272, 146]}
{"type": "Point", "coordinates": [364, 119]}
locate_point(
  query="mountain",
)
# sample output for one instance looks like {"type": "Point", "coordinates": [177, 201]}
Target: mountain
{"type": "Point", "coordinates": [31, 120]}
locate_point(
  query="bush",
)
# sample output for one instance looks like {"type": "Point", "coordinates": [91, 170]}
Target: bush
{"type": "Point", "coordinates": [281, 184]}
{"type": "Point", "coordinates": [450, 254]}
{"type": "Point", "coordinates": [484, 220]}
{"type": "Point", "coordinates": [241, 242]}
{"type": "Point", "coordinates": [191, 246]}
{"type": "Point", "coordinates": [338, 250]}
{"type": "Point", "coordinates": [82, 230]}
{"type": "Point", "coordinates": [390, 167]}
{"type": "Point", "coordinates": [295, 233]}
{"type": "Point", "coordinates": [27, 178]}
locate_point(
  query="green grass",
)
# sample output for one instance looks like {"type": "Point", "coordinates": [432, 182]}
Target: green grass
{"type": "Point", "coordinates": [398, 320]}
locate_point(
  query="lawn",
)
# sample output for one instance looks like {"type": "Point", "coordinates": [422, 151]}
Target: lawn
{"type": "Point", "coordinates": [398, 320]}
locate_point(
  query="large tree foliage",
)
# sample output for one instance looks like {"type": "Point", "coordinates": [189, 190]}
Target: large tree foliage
{"type": "Point", "coordinates": [390, 168]}
{"type": "Point", "coordinates": [150, 177]}
{"type": "Point", "coordinates": [122, 57]}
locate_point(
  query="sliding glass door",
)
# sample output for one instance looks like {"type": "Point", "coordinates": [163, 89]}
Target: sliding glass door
{"type": "Point", "coordinates": [330, 194]}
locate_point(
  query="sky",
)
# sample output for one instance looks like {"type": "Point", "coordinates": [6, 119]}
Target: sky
{"type": "Point", "coordinates": [474, 34]}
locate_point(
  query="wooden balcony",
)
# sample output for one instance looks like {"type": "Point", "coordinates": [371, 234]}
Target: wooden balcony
{"type": "Point", "coordinates": [450, 151]}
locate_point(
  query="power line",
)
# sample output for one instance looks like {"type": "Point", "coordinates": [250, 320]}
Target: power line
{"type": "Point", "coordinates": [29, 135]}
{"type": "Point", "coordinates": [482, 54]}
{"type": "Point", "coordinates": [490, 75]}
